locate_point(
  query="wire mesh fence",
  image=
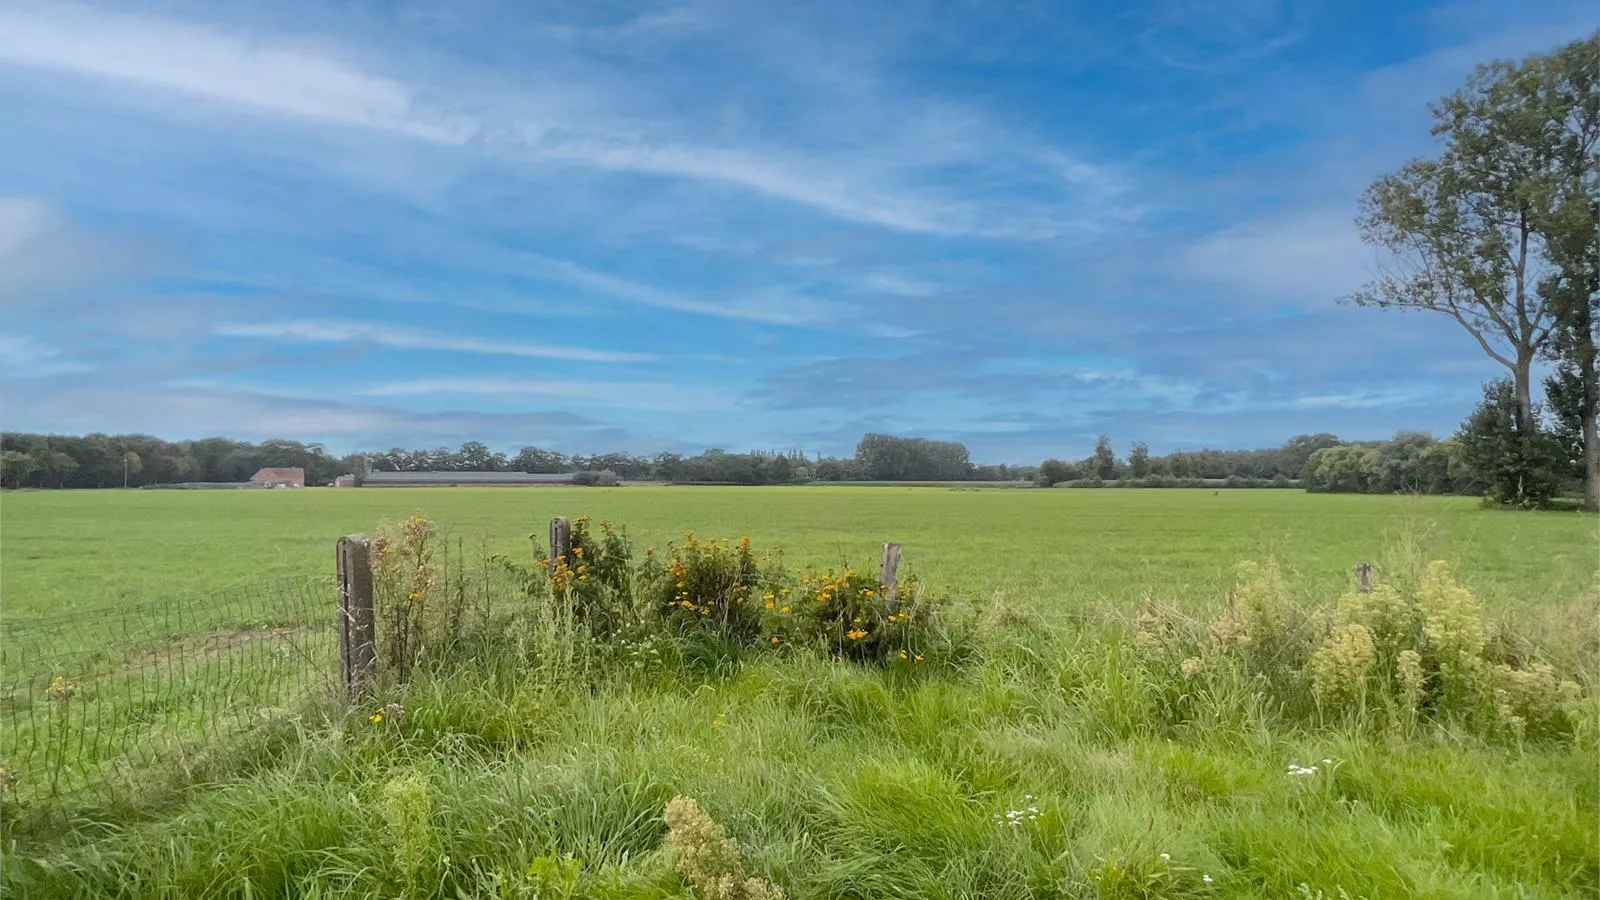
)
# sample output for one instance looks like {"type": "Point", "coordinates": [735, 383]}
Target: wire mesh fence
{"type": "Point", "coordinates": [90, 700]}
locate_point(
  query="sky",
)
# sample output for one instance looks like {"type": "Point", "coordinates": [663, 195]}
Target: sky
{"type": "Point", "coordinates": [597, 226]}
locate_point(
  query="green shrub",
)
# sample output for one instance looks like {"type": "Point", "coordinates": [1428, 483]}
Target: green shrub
{"type": "Point", "coordinates": [854, 617]}
{"type": "Point", "coordinates": [1391, 657]}
{"type": "Point", "coordinates": [708, 586]}
{"type": "Point", "coordinates": [596, 582]}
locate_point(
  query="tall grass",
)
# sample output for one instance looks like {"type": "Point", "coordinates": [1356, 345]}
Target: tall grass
{"type": "Point", "coordinates": [1030, 756]}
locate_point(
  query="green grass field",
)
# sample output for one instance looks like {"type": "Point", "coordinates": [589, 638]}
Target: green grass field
{"type": "Point", "coordinates": [1127, 780]}
{"type": "Point", "coordinates": [93, 550]}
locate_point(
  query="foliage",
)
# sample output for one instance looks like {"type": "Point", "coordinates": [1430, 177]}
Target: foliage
{"type": "Point", "coordinates": [414, 613]}
{"type": "Point", "coordinates": [888, 458]}
{"type": "Point", "coordinates": [1519, 467]}
{"type": "Point", "coordinates": [1103, 462]}
{"type": "Point", "coordinates": [100, 460]}
{"type": "Point", "coordinates": [708, 858]}
{"type": "Point", "coordinates": [1388, 658]}
{"type": "Point", "coordinates": [1138, 460]}
{"type": "Point", "coordinates": [596, 583]}
{"type": "Point", "coordinates": [1054, 471]}
{"type": "Point", "coordinates": [854, 616]}
{"type": "Point", "coordinates": [408, 817]}
{"type": "Point", "coordinates": [709, 585]}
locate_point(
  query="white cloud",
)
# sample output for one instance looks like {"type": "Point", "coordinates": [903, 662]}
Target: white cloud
{"type": "Point", "coordinates": [203, 62]}
{"type": "Point", "coordinates": [652, 395]}
{"type": "Point", "coordinates": [770, 306]}
{"type": "Point", "coordinates": [1306, 258]}
{"type": "Point", "coordinates": [882, 178]}
{"type": "Point", "coordinates": [22, 219]}
{"type": "Point", "coordinates": [899, 284]}
{"type": "Point", "coordinates": [1364, 399]}
{"type": "Point", "coordinates": [24, 356]}
{"type": "Point", "coordinates": [335, 332]}
{"type": "Point", "coordinates": [1207, 35]}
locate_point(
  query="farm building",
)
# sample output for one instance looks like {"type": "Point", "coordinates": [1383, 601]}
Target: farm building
{"type": "Point", "coordinates": [279, 477]}
{"type": "Point", "coordinates": [463, 479]}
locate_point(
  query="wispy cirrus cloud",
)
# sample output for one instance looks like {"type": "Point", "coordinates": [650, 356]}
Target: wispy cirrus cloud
{"type": "Point", "coordinates": [391, 337]}
{"type": "Point", "coordinates": [800, 220]}
{"type": "Point", "coordinates": [773, 308]}
{"type": "Point", "coordinates": [653, 395]}
{"type": "Point", "coordinates": [312, 82]}
{"type": "Point", "coordinates": [273, 77]}
{"type": "Point", "coordinates": [25, 356]}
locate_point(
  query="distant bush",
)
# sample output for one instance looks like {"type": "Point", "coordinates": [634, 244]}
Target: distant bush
{"type": "Point", "coordinates": [1169, 481]}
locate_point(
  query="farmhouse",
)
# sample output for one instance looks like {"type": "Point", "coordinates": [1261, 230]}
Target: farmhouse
{"type": "Point", "coordinates": [279, 478]}
{"type": "Point", "coordinates": [463, 479]}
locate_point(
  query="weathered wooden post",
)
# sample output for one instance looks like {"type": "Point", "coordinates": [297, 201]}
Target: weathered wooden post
{"type": "Point", "coordinates": [357, 657]}
{"type": "Point", "coordinates": [888, 569]}
{"type": "Point", "coordinates": [560, 540]}
{"type": "Point", "coordinates": [1364, 578]}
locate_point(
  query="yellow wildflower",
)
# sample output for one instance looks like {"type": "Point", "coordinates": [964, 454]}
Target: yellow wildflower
{"type": "Point", "coordinates": [855, 634]}
{"type": "Point", "coordinates": [376, 718]}
{"type": "Point", "coordinates": [776, 640]}
{"type": "Point", "coordinates": [785, 610]}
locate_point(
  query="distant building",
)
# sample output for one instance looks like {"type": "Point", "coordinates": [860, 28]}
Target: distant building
{"type": "Point", "coordinates": [284, 478]}
{"type": "Point", "coordinates": [345, 481]}
{"type": "Point", "coordinates": [463, 479]}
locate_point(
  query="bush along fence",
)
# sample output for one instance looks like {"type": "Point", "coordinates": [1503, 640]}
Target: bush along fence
{"type": "Point", "coordinates": [1404, 653]}
{"type": "Point", "coordinates": [587, 598]}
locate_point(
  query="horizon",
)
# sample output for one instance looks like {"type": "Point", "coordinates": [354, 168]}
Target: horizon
{"type": "Point", "coordinates": [1121, 451]}
{"type": "Point", "coordinates": [669, 227]}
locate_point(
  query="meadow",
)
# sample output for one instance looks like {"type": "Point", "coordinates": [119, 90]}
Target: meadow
{"type": "Point", "coordinates": [1051, 746]}
{"type": "Point", "coordinates": [1060, 550]}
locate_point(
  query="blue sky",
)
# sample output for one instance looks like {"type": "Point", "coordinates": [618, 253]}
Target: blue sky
{"type": "Point", "coordinates": [602, 226]}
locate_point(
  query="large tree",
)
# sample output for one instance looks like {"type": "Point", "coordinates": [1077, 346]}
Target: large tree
{"type": "Point", "coordinates": [1464, 230]}
{"type": "Point", "coordinates": [1568, 82]}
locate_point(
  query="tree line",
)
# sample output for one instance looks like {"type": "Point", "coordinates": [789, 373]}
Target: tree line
{"type": "Point", "coordinates": [1411, 462]}
{"type": "Point", "coordinates": [104, 461]}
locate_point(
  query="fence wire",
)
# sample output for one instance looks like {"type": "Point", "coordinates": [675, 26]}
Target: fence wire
{"type": "Point", "coordinates": [91, 701]}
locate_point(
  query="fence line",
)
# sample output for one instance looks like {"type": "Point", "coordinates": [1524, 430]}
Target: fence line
{"type": "Point", "coordinates": [87, 702]}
